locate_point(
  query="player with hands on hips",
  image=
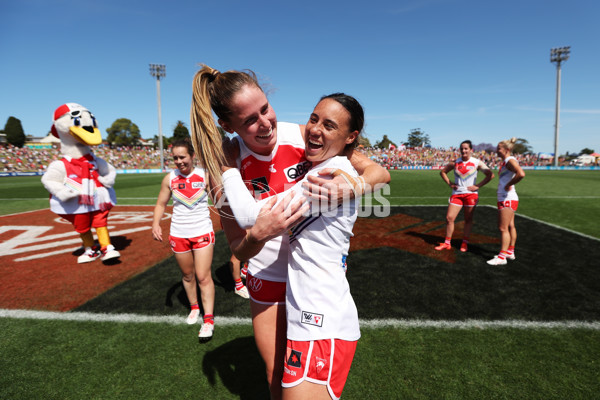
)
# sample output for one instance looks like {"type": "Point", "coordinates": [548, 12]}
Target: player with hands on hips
{"type": "Point", "coordinates": [465, 193]}
{"type": "Point", "coordinates": [509, 174]}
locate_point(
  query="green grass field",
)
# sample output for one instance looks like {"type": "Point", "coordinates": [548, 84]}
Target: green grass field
{"type": "Point", "coordinates": [565, 198]}
{"type": "Point", "coordinates": [404, 357]}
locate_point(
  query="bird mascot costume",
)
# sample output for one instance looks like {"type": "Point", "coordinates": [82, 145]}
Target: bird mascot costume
{"type": "Point", "coordinates": [80, 184]}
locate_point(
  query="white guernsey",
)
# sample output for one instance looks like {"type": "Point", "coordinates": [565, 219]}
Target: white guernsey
{"type": "Point", "coordinates": [318, 300]}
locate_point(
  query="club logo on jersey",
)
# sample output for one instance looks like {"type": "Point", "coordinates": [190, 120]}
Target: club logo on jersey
{"type": "Point", "coordinates": [198, 185]}
{"type": "Point", "coordinates": [463, 168]}
{"type": "Point", "coordinates": [295, 172]}
{"type": "Point", "coordinates": [181, 186]}
{"type": "Point", "coordinates": [260, 186]}
{"type": "Point", "coordinates": [312, 318]}
{"type": "Point", "coordinates": [295, 359]}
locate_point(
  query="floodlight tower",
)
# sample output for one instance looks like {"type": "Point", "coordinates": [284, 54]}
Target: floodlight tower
{"type": "Point", "coordinates": [557, 55]}
{"type": "Point", "coordinates": [159, 71]}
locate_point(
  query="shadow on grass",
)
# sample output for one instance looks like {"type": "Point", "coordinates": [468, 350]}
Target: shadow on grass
{"type": "Point", "coordinates": [239, 367]}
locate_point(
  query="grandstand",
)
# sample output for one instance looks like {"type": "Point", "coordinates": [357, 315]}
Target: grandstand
{"type": "Point", "coordinates": [31, 159]}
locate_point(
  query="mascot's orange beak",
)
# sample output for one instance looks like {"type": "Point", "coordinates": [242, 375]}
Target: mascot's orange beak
{"type": "Point", "coordinates": [87, 135]}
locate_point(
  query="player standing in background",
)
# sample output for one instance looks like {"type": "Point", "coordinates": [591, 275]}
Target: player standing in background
{"type": "Point", "coordinates": [464, 192]}
{"type": "Point", "coordinates": [191, 237]}
{"type": "Point", "coordinates": [509, 173]}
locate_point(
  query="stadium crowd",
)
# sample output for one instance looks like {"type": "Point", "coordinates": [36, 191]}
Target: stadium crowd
{"type": "Point", "coordinates": [431, 157]}
{"type": "Point", "coordinates": [28, 159]}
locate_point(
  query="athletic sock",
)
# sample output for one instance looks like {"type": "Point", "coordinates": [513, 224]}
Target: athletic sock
{"type": "Point", "coordinates": [209, 319]}
{"type": "Point", "coordinates": [195, 306]}
{"type": "Point", "coordinates": [502, 255]}
{"type": "Point", "coordinates": [466, 240]}
{"type": "Point", "coordinates": [511, 250]}
{"type": "Point", "coordinates": [448, 240]}
{"type": "Point", "coordinates": [238, 284]}
{"type": "Point", "coordinates": [245, 268]}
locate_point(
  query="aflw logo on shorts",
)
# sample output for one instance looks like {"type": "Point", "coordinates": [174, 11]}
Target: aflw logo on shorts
{"type": "Point", "coordinates": [312, 318]}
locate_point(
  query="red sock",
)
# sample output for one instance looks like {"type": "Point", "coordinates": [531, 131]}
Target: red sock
{"type": "Point", "coordinates": [502, 255]}
{"type": "Point", "coordinates": [466, 240]}
{"type": "Point", "coordinates": [239, 284]}
{"type": "Point", "coordinates": [448, 239]}
{"type": "Point", "coordinates": [195, 306]}
{"type": "Point", "coordinates": [511, 250]}
{"type": "Point", "coordinates": [209, 319]}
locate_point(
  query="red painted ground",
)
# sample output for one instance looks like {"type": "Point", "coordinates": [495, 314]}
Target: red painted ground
{"type": "Point", "coordinates": [31, 277]}
{"type": "Point", "coordinates": [407, 232]}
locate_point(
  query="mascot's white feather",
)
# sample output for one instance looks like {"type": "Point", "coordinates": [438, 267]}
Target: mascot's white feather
{"type": "Point", "coordinates": [81, 183]}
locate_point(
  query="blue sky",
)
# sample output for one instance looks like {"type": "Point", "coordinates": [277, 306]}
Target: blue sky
{"type": "Point", "coordinates": [456, 69]}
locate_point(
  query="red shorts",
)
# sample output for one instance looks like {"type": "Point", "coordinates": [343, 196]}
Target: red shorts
{"type": "Point", "coordinates": [512, 204]}
{"type": "Point", "coordinates": [465, 199]}
{"type": "Point", "coordinates": [326, 362]}
{"type": "Point", "coordinates": [184, 245]}
{"type": "Point", "coordinates": [84, 222]}
{"type": "Point", "coordinates": [265, 292]}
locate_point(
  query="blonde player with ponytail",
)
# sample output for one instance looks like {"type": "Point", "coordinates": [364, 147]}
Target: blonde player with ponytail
{"type": "Point", "coordinates": [270, 155]}
{"type": "Point", "coordinates": [509, 173]}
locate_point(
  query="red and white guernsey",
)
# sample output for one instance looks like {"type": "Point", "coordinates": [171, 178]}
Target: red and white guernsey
{"type": "Point", "coordinates": [266, 176]}
{"type": "Point", "coordinates": [465, 174]}
{"type": "Point", "coordinates": [504, 176]}
{"type": "Point", "coordinates": [191, 216]}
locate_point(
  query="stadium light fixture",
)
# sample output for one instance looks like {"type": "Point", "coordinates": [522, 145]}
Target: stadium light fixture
{"type": "Point", "coordinates": [159, 71]}
{"type": "Point", "coordinates": [558, 55]}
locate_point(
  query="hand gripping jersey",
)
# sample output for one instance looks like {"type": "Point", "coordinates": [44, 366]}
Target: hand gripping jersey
{"type": "Point", "coordinates": [504, 176]}
{"type": "Point", "coordinates": [318, 300]}
{"type": "Point", "coordinates": [266, 176]}
{"type": "Point", "coordinates": [191, 216]}
{"type": "Point", "coordinates": [465, 174]}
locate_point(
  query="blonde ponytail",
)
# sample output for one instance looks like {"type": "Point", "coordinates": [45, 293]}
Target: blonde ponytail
{"type": "Point", "coordinates": [206, 137]}
{"type": "Point", "coordinates": [213, 91]}
{"type": "Point", "coordinates": [509, 143]}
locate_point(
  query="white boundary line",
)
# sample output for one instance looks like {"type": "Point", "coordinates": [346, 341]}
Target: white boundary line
{"type": "Point", "coordinates": [377, 323]}
{"type": "Point", "coordinates": [372, 324]}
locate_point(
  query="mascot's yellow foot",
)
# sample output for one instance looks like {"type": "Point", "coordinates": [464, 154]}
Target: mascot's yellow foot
{"type": "Point", "coordinates": [109, 252]}
{"type": "Point", "coordinates": [90, 254]}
